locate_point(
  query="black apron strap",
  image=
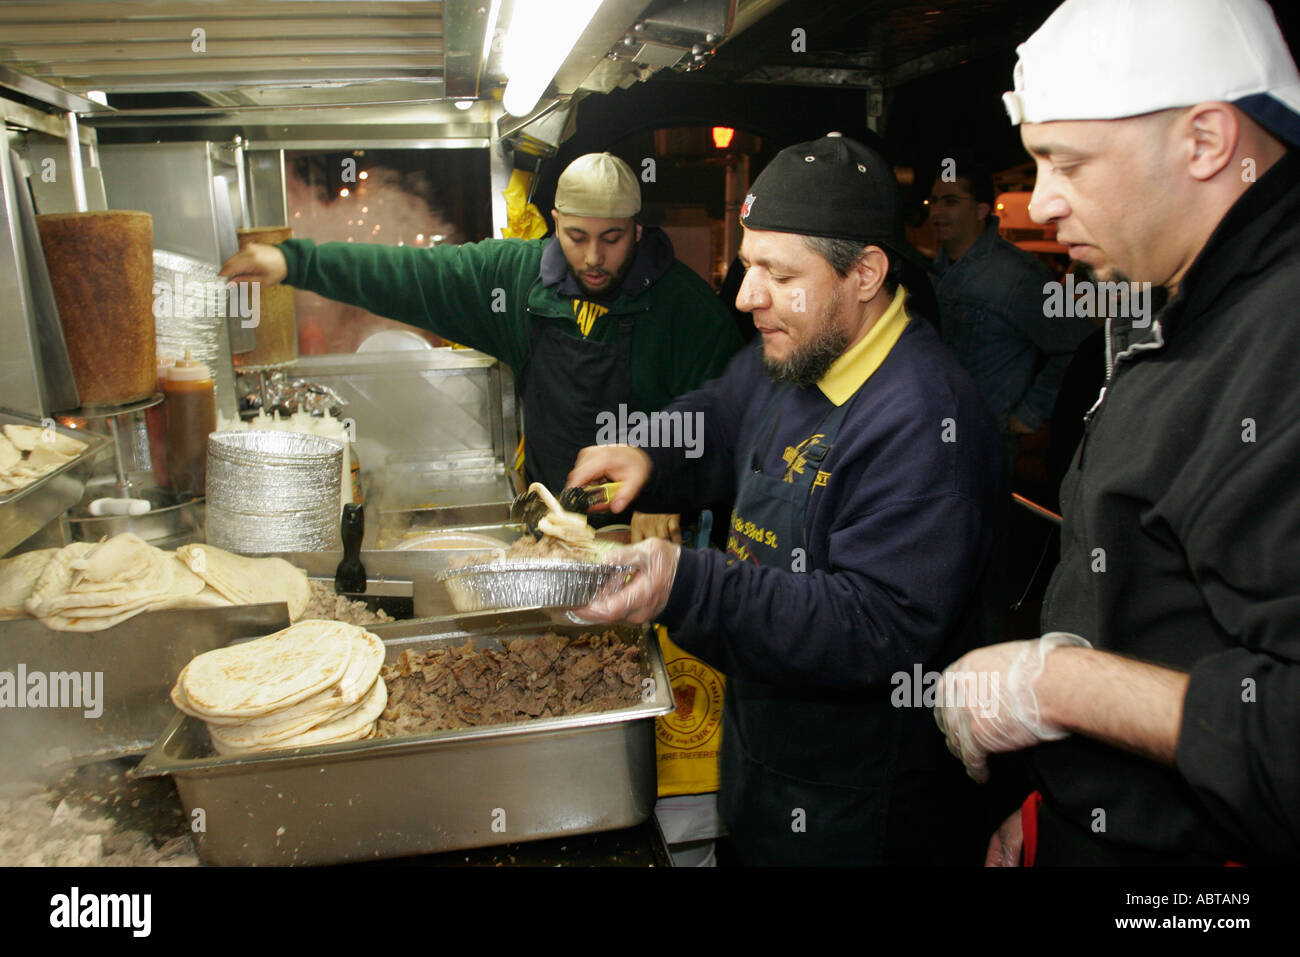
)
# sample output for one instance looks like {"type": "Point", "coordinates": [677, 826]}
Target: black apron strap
{"type": "Point", "coordinates": [567, 383]}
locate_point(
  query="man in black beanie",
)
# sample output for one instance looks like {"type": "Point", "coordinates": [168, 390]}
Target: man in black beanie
{"type": "Point", "coordinates": [867, 476]}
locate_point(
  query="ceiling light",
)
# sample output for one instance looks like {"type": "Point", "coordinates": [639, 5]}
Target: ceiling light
{"type": "Point", "coordinates": [540, 38]}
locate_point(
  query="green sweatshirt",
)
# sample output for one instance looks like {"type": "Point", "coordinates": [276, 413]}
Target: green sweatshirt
{"type": "Point", "coordinates": [487, 295]}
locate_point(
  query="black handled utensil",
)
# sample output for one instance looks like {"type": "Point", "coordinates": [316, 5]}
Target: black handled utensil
{"type": "Point", "coordinates": [351, 574]}
{"type": "Point", "coordinates": [529, 508]}
{"type": "Point", "coordinates": [583, 500]}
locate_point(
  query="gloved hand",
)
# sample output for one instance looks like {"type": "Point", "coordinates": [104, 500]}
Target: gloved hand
{"type": "Point", "coordinates": [988, 704]}
{"type": "Point", "coordinates": [644, 597]}
{"type": "Point", "coordinates": [656, 525]}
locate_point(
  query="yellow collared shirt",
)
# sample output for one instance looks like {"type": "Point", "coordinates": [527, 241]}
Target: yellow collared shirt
{"type": "Point", "coordinates": [857, 365]}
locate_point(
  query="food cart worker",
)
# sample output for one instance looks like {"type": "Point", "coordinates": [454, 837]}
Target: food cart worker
{"type": "Point", "coordinates": [598, 315]}
{"type": "Point", "coordinates": [868, 483]}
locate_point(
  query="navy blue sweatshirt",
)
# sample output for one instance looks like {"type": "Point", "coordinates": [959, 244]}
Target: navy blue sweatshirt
{"type": "Point", "coordinates": [896, 537]}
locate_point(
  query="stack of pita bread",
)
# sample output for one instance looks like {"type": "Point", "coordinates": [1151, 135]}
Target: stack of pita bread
{"type": "Point", "coordinates": [248, 581]}
{"type": "Point", "coordinates": [17, 579]}
{"type": "Point", "coordinates": [27, 453]}
{"type": "Point", "coordinates": [316, 682]}
{"type": "Point", "coordinates": [90, 587]}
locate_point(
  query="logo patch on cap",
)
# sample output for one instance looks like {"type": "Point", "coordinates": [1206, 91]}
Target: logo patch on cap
{"type": "Point", "coordinates": [749, 201]}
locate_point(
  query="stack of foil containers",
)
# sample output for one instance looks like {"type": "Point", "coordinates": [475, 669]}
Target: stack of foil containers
{"type": "Point", "coordinates": [273, 492]}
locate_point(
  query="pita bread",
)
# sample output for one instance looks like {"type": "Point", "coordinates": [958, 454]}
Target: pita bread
{"type": "Point", "coordinates": [23, 437]}
{"type": "Point", "coordinates": [76, 621]}
{"type": "Point", "coordinates": [261, 676]}
{"type": "Point", "coordinates": [333, 702]}
{"type": "Point", "coordinates": [28, 438]}
{"type": "Point", "coordinates": [122, 574]}
{"type": "Point", "coordinates": [363, 667]}
{"type": "Point", "coordinates": [208, 597]}
{"type": "Point", "coordinates": [249, 735]}
{"type": "Point", "coordinates": [26, 471]}
{"type": "Point", "coordinates": [45, 457]}
{"type": "Point", "coordinates": [229, 689]}
{"type": "Point", "coordinates": [249, 581]}
{"type": "Point", "coordinates": [18, 577]}
{"type": "Point", "coordinates": [358, 724]}
{"type": "Point", "coordinates": [56, 577]}
{"type": "Point", "coordinates": [10, 454]}
{"type": "Point", "coordinates": [91, 586]}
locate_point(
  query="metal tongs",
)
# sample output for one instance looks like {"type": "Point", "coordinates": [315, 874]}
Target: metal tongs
{"type": "Point", "coordinates": [529, 508]}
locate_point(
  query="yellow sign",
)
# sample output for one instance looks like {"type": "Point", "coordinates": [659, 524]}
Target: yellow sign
{"type": "Point", "coordinates": [687, 740]}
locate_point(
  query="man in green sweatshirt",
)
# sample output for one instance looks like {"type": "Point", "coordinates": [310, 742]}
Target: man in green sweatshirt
{"type": "Point", "coordinates": [598, 322]}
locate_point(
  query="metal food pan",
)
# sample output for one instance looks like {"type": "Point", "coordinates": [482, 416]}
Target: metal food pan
{"type": "Point", "coordinates": [421, 794]}
{"type": "Point", "coordinates": [399, 530]}
{"type": "Point", "coordinates": [459, 490]}
{"type": "Point", "coordinates": [27, 510]}
{"type": "Point", "coordinates": [130, 667]}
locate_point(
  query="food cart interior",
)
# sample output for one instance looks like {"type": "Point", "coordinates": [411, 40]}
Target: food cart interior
{"type": "Point", "coordinates": [392, 122]}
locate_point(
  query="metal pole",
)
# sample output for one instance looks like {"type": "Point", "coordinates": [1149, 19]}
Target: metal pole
{"type": "Point", "coordinates": [736, 183]}
{"type": "Point", "coordinates": [74, 163]}
{"type": "Point", "coordinates": [246, 207]}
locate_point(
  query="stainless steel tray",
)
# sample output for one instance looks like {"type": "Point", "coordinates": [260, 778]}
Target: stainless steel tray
{"type": "Point", "coordinates": [420, 794]}
{"type": "Point", "coordinates": [397, 529]}
{"type": "Point", "coordinates": [138, 660]}
{"type": "Point", "coordinates": [456, 491]}
{"type": "Point", "coordinates": [29, 509]}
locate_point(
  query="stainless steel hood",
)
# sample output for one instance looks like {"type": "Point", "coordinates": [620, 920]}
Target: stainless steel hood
{"type": "Point", "coordinates": [232, 53]}
{"type": "Point", "coordinates": [254, 61]}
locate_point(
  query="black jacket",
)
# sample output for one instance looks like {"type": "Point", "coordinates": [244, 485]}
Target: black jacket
{"type": "Point", "coordinates": [1181, 547]}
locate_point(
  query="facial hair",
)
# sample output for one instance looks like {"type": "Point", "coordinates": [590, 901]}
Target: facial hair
{"type": "Point", "coordinates": [612, 288]}
{"type": "Point", "coordinates": [807, 364]}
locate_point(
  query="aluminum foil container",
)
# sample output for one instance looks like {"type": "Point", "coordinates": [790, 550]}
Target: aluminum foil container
{"type": "Point", "coordinates": [271, 491]}
{"type": "Point", "coordinates": [529, 584]}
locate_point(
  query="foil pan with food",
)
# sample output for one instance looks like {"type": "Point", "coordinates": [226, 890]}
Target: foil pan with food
{"type": "Point", "coordinates": [538, 583]}
{"type": "Point", "coordinates": [562, 567]}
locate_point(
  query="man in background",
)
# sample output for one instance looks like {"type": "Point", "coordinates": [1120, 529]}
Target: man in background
{"type": "Point", "coordinates": [991, 307]}
{"type": "Point", "coordinates": [598, 316]}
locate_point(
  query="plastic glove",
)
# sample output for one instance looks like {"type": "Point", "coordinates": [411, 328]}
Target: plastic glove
{"type": "Point", "coordinates": [987, 700]}
{"type": "Point", "coordinates": [655, 525]}
{"type": "Point", "coordinates": [642, 598]}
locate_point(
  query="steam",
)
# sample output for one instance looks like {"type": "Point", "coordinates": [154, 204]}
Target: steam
{"type": "Point", "coordinates": [386, 207]}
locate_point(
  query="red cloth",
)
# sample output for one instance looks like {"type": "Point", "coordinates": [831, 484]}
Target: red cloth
{"type": "Point", "coordinates": [1029, 828]}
